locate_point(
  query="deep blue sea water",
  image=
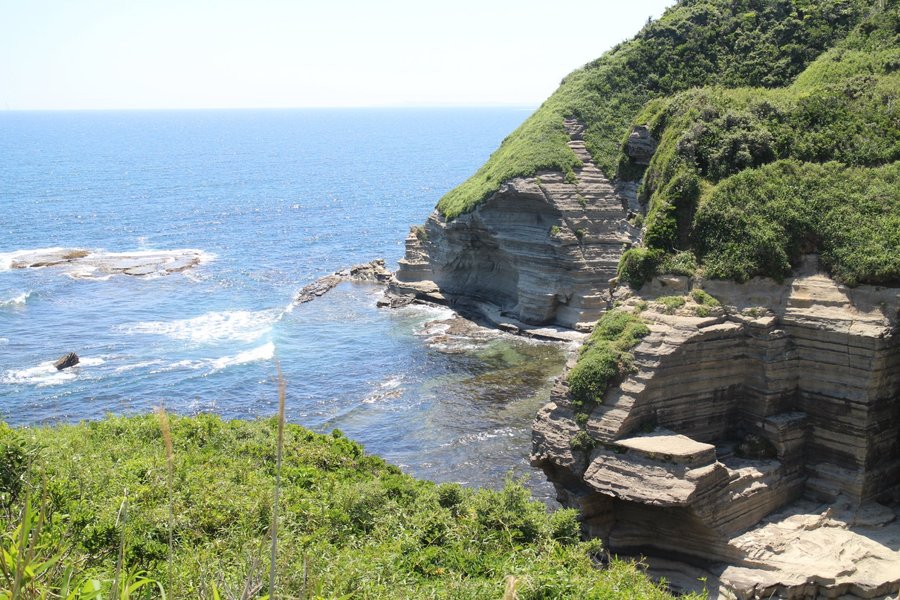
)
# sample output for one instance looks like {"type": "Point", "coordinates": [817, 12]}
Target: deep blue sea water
{"type": "Point", "coordinates": [273, 199]}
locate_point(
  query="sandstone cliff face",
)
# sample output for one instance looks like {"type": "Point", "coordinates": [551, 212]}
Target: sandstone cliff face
{"type": "Point", "coordinates": [541, 249]}
{"type": "Point", "coordinates": [790, 393]}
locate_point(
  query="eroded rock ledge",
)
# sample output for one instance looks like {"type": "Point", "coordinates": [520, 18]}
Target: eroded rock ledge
{"type": "Point", "coordinates": [80, 263]}
{"type": "Point", "coordinates": [760, 442]}
{"type": "Point", "coordinates": [540, 251]}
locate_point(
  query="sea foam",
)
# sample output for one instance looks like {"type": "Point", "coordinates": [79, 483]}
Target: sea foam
{"type": "Point", "coordinates": [16, 301]}
{"type": "Point", "coordinates": [212, 365]}
{"type": "Point", "coordinates": [45, 374]}
{"type": "Point", "coordinates": [212, 327]}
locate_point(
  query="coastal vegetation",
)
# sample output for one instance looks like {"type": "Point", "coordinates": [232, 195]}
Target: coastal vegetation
{"type": "Point", "coordinates": [749, 179]}
{"type": "Point", "coordinates": [96, 499]}
{"type": "Point", "coordinates": [777, 129]}
{"type": "Point", "coordinates": [605, 355]}
{"type": "Point", "coordinates": [762, 43]}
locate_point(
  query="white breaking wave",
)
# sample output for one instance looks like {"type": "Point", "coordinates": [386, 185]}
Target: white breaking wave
{"type": "Point", "coordinates": [387, 389]}
{"type": "Point", "coordinates": [19, 300]}
{"type": "Point", "coordinates": [482, 436]}
{"type": "Point", "coordinates": [431, 312]}
{"type": "Point", "coordinates": [264, 352]}
{"type": "Point", "coordinates": [4, 341]}
{"type": "Point", "coordinates": [139, 365]}
{"type": "Point", "coordinates": [230, 325]}
{"type": "Point", "coordinates": [45, 374]}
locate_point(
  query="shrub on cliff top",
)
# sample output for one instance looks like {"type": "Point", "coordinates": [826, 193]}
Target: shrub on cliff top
{"type": "Point", "coordinates": [777, 173]}
{"type": "Point", "coordinates": [695, 43]}
{"type": "Point", "coordinates": [350, 525]}
{"type": "Point", "coordinates": [605, 356]}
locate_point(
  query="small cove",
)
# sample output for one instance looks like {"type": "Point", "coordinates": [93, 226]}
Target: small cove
{"type": "Point", "coordinates": [274, 199]}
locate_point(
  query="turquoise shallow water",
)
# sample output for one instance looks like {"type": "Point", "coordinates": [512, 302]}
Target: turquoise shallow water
{"type": "Point", "coordinates": [274, 199]}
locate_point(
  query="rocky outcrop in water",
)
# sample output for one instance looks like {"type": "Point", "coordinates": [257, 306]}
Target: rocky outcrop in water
{"type": "Point", "coordinates": [540, 251]}
{"type": "Point", "coordinates": [755, 440]}
{"type": "Point", "coordinates": [88, 264]}
{"type": "Point", "coordinates": [69, 360]}
{"type": "Point", "coordinates": [373, 271]}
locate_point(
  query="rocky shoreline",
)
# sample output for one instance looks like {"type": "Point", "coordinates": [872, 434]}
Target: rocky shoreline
{"type": "Point", "coordinates": [807, 368]}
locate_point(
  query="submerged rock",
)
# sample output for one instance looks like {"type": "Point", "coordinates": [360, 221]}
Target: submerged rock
{"type": "Point", "coordinates": [86, 264]}
{"type": "Point", "coordinates": [69, 360]}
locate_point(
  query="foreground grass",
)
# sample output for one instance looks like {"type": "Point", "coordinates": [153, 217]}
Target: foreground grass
{"type": "Point", "coordinates": [350, 525]}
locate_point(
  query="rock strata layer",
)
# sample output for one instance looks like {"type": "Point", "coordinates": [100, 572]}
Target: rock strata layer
{"type": "Point", "coordinates": [786, 399]}
{"type": "Point", "coordinates": [541, 250]}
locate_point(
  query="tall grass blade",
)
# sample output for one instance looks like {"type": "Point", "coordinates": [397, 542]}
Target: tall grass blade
{"type": "Point", "coordinates": [122, 518]}
{"type": "Point", "coordinates": [170, 464]}
{"type": "Point", "coordinates": [510, 592]}
{"type": "Point", "coordinates": [278, 452]}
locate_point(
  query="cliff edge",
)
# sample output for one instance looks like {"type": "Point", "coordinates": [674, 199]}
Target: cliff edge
{"type": "Point", "coordinates": [753, 438]}
{"type": "Point", "coordinates": [718, 201]}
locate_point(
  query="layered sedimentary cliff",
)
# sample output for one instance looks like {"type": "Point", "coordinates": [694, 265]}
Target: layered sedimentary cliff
{"type": "Point", "coordinates": [540, 250]}
{"type": "Point", "coordinates": [785, 398]}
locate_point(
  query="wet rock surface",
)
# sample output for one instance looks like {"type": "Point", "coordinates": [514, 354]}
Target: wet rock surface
{"type": "Point", "coordinates": [69, 360]}
{"type": "Point", "coordinates": [373, 271]}
{"type": "Point", "coordinates": [87, 264]}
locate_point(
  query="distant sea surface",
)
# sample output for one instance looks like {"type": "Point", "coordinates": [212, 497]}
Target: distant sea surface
{"type": "Point", "coordinates": [270, 200]}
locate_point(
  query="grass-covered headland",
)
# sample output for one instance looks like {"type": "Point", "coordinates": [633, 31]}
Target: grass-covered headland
{"type": "Point", "coordinates": [94, 499]}
{"type": "Point", "coordinates": [747, 180]}
{"type": "Point", "coordinates": [761, 43]}
{"type": "Point", "coordinates": [777, 123]}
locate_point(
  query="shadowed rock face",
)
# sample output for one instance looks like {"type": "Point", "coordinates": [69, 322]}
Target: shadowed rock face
{"type": "Point", "coordinates": [542, 249]}
{"type": "Point", "coordinates": [802, 376]}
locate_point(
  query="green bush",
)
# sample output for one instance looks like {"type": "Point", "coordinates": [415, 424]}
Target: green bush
{"type": "Point", "coordinates": [638, 265]}
{"type": "Point", "coordinates": [750, 179]}
{"type": "Point", "coordinates": [703, 298]}
{"type": "Point", "coordinates": [680, 263]}
{"type": "Point", "coordinates": [604, 357]}
{"type": "Point", "coordinates": [671, 303]}
{"type": "Point", "coordinates": [760, 221]}
{"type": "Point", "coordinates": [13, 462]}
{"type": "Point", "coordinates": [582, 442]}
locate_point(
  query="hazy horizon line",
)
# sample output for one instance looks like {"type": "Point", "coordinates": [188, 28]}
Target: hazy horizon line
{"type": "Point", "coordinates": [320, 107]}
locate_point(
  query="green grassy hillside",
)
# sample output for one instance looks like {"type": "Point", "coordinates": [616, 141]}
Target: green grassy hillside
{"type": "Point", "coordinates": [697, 42]}
{"type": "Point", "coordinates": [745, 180]}
{"type": "Point", "coordinates": [351, 526]}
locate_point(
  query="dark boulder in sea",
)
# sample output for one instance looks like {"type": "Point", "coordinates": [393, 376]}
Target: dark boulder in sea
{"type": "Point", "coordinates": [69, 360]}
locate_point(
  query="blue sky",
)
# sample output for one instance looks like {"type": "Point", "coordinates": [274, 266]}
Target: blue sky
{"type": "Point", "coordinates": [103, 54]}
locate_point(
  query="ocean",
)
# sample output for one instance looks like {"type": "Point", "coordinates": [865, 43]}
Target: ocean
{"type": "Point", "coordinates": [262, 202]}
